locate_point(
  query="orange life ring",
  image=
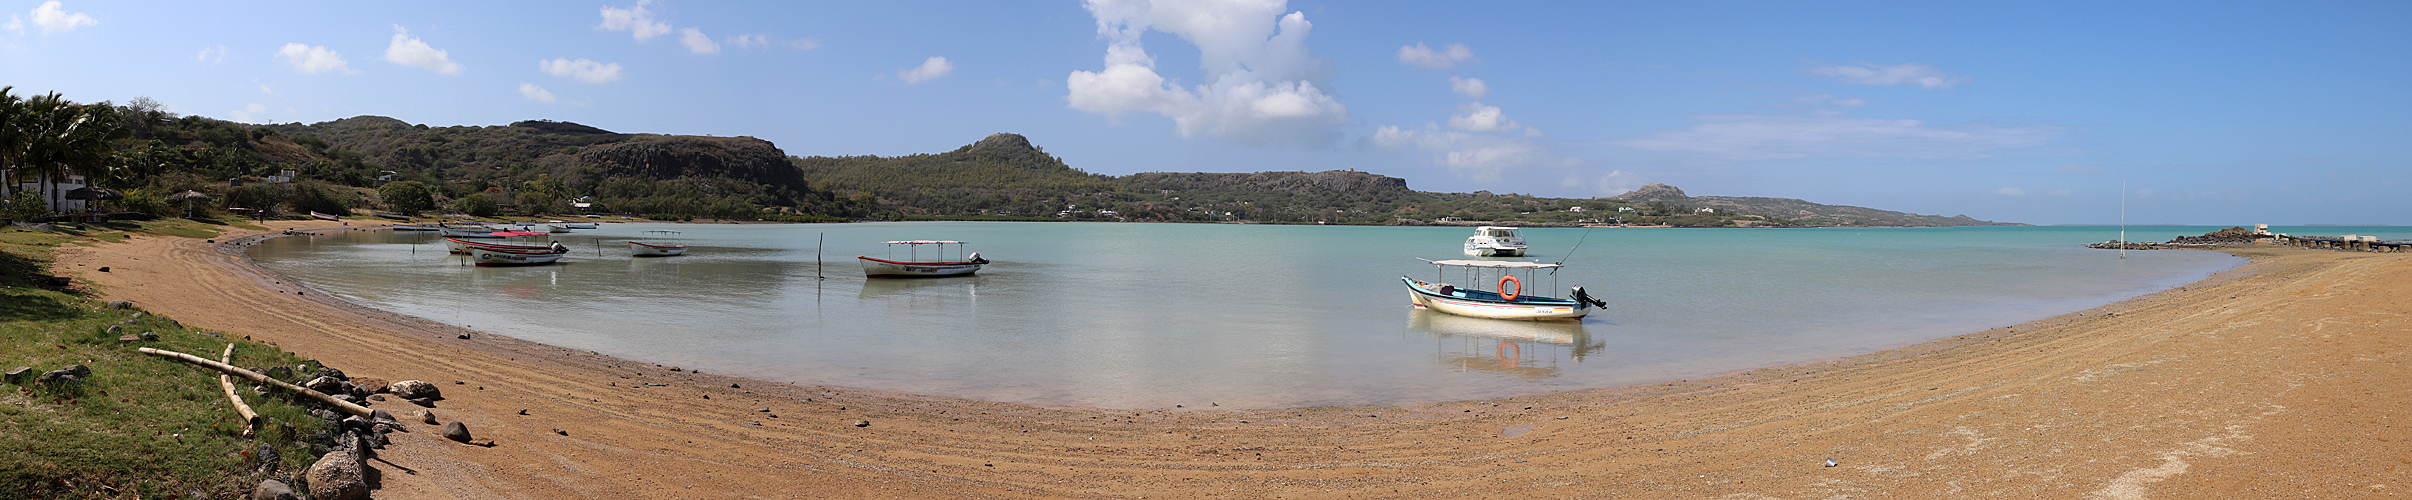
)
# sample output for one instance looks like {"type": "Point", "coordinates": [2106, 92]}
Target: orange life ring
{"type": "Point", "coordinates": [1503, 287]}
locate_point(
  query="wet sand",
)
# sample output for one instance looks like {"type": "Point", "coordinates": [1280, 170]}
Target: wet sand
{"type": "Point", "coordinates": [2284, 378]}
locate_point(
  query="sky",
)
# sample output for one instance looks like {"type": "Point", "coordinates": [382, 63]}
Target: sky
{"type": "Point", "coordinates": [2041, 112]}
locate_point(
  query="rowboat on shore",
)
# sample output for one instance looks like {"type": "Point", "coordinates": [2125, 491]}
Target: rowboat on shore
{"type": "Point", "coordinates": [321, 216]}
{"type": "Point", "coordinates": [917, 268]}
{"type": "Point", "coordinates": [1508, 302]}
{"type": "Point", "coordinates": [663, 244]}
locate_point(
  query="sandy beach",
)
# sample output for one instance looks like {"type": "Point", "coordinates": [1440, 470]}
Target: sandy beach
{"type": "Point", "coordinates": [2284, 378]}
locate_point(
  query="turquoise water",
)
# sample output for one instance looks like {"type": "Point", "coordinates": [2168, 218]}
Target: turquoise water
{"type": "Point", "coordinates": [1154, 315]}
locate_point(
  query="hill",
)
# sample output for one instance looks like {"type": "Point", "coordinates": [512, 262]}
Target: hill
{"type": "Point", "coordinates": [1798, 211]}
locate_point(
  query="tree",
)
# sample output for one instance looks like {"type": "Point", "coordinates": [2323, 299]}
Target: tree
{"type": "Point", "coordinates": [408, 197]}
{"type": "Point", "coordinates": [478, 204]}
{"type": "Point", "coordinates": [62, 137]}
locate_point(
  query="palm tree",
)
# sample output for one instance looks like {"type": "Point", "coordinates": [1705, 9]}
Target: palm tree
{"type": "Point", "coordinates": [12, 139]}
{"type": "Point", "coordinates": [62, 137]}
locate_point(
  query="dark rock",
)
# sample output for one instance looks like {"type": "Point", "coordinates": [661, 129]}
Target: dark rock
{"type": "Point", "coordinates": [154, 337]}
{"type": "Point", "coordinates": [331, 372]}
{"type": "Point", "coordinates": [380, 415]}
{"type": "Point", "coordinates": [60, 281]}
{"type": "Point", "coordinates": [523, 411]}
{"type": "Point", "coordinates": [116, 329]}
{"type": "Point", "coordinates": [348, 398]}
{"type": "Point", "coordinates": [119, 304]}
{"type": "Point", "coordinates": [59, 377]}
{"type": "Point", "coordinates": [414, 389]}
{"type": "Point", "coordinates": [355, 423]}
{"type": "Point", "coordinates": [422, 402]}
{"type": "Point", "coordinates": [19, 374]}
{"type": "Point", "coordinates": [376, 397]}
{"type": "Point", "coordinates": [78, 370]}
{"type": "Point", "coordinates": [104, 269]}
{"type": "Point", "coordinates": [427, 416]}
{"type": "Point", "coordinates": [280, 372]}
{"type": "Point", "coordinates": [862, 423]}
{"type": "Point", "coordinates": [557, 430]}
{"type": "Point", "coordinates": [327, 385]}
{"type": "Point", "coordinates": [456, 432]}
{"type": "Point", "coordinates": [463, 336]}
{"type": "Point", "coordinates": [267, 457]}
{"type": "Point", "coordinates": [271, 489]}
{"type": "Point", "coordinates": [764, 410]}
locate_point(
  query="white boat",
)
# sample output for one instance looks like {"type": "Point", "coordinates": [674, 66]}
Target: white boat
{"type": "Point", "coordinates": [917, 268]}
{"type": "Point", "coordinates": [1507, 302]}
{"type": "Point", "coordinates": [496, 256]}
{"type": "Point", "coordinates": [461, 246]}
{"type": "Point", "coordinates": [1495, 241]}
{"type": "Point", "coordinates": [555, 229]}
{"type": "Point", "coordinates": [321, 216]}
{"type": "Point", "coordinates": [664, 244]}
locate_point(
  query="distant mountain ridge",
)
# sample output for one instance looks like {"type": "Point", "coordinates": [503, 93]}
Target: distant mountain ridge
{"type": "Point", "coordinates": [1799, 211]}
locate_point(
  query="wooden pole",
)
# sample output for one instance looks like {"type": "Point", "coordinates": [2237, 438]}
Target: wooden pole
{"type": "Point", "coordinates": [251, 419]}
{"type": "Point", "coordinates": [339, 404]}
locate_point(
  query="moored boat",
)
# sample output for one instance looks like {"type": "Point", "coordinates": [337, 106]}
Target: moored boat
{"type": "Point", "coordinates": [486, 255]}
{"type": "Point", "coordinates": [917, 268]}
{"type": "Point", "coordinates": [1508, 302]}
{"type": "Point", "coordinates": [461, 246]}
{"type": "Point", "coordinates": [662, 244]}
{"type": "Point", "coordinates": [321, 216]}
{"type": "Point", "coordinates": [1495, 241]}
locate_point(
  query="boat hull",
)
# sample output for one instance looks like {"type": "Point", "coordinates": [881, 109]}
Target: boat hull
{"type": "Point", "coordinates": [494, 257]}
{"type": "Point", "coordinates": [1480, 304]}
{"type": "Point", "coordinates": [650, 250]}
{"type": "Point", "coordinates": [460, 247]}
{"type": "Point", "coordinates": [883, 268]}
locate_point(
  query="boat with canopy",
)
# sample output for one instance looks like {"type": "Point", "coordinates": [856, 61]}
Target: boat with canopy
{"type": "Point", "coordinates": [659, 244]}
{"type": "Point", "coordinates": [1508, 301]}
{"type": "Point", "coordinates": [914, 267]}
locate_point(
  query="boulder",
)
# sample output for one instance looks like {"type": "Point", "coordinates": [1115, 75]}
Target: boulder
{"type": "Point", "coordinates": [338, 476]}
{"type": "Point", "coordinates": [80, 371]}
{"type": "Point", "coordinates": [154, 337]}
{"type": "Point", "coordinates": [60, 377]}
{"type": "Point", "coordinates": [267, 457]}
{"type": "Point", "coordinates": [280, 372]}
{"type": "Point", "coordinates": [331, 372]}
{"type": "Point", "coordinates": [116, 329]}
{"type": "Point", "coordinates": [427, 416]}
{"type": "Point", "coordinates": [271, 489]}
{"type": "Point", "coordinates": [119, 304]}
{"type": "Point", "coordinates": [415, 389]}
{"type": "Point", "coordinates": [19, 374]}
{"type": "Point", "coordinates": [456, 432]}
{"type": "Point", "coordinates": [326, 385]}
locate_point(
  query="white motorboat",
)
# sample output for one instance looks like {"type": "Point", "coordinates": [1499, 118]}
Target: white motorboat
{"type": "Point", "coordinates": [1495, 241]}
{"type": "Point", "coordinates": [917, 268]}
{"type": "Point", "coordinates": [496, 256]}
{"type": "Point", "coordinates": [662, 244]}
{"type": "Point", "coordinates": [1508, 302]}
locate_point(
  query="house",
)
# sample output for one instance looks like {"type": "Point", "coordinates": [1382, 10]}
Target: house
{"type": "Point", "coordinates": [53, 192]}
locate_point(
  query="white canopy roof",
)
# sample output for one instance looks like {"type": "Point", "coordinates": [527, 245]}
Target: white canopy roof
{"type": "Point", "coordinates": [1507, 264]}
{"type": "Point", "coordinates": [925, 242]}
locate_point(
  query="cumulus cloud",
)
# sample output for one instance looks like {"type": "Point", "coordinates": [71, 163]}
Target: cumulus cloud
{"type": "Point", "coordinates": [1448, 57]}
{"type": "Point", "coordinates": [532, 92]}
{"type": "Point", "coordinates": [313, 59]}
{"type": "Point", "coordinates": [53, 18]}
{"type": "Point", "coordinates": [1480, 156]}
{"type": "Point", "coordinates": [929, 69]}
{"type": "Point", "coordinates": [1478, 117]}
{"type": "Point", "coordinates": [1829, 134]}
{"type": "Point", "coordinates": [211, 55]}
{"type": "Point", "coordinates": [1469, 87]}
{"type": "Point", "coordinates": [1262, 84]}
{"type": "Point", "coordinates": [408, 50]}
{"type": "Point", "coordinates": [1900, 74]}
{"type": "Point", "coordinates": [637, 20]}
{"type": "Point", "coordinates": [582, 69]}
{"type": "Point", "coordinates": [697, 42]}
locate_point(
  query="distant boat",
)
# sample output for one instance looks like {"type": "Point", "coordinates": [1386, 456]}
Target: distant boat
{"type": "Point", "coordinates": [324, 216]}
{"type": "Point", "coordinates": [917, 268]}
{"type": "Point", "coordinates": [393, 216]}
{"type": "Point", "coordinates": [1495, 241]}
{"type": "Point", "coordinates": [1508, 302]}
{"type": "Point", "coordinates": [582, 225]}
{"type": "Point", "coordinates": [665, 244]}
{"type": "Point", "coordinates": [555, 228]}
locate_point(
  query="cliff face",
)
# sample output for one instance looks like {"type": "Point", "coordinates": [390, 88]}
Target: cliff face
{"type": "Point", "coordinates": [676, 156]}
{"type": "Point", "coordinates": [1325, 182]}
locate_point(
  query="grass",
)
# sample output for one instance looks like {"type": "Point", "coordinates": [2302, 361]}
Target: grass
{"type": "Point", "coordinates": [141, 426]}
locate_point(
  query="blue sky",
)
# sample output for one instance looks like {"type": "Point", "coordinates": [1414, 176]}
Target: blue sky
{"type": "Point", "coordinates": [2036, 112]}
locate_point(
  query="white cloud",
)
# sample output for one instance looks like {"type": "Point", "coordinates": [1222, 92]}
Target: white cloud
{"type": "Point", "coordinates": [1900, 74]}
{"type": "Point", "coordinates": [250, 113]}
{"type": "Point", "coordinates": [211, 55]}
{"type": "Point", "coordinates": [1469, 87]}
{"type": "Point", "coordinates": [1481, 156]}
{"type": "Point", "coordinates": [697, 42]}
{"type": "Point", "coordinates": [52, 18]}
{"type": "Point", "coordinates": [1475, 116]}
{"type": "Point", "coordinates": [1829, 134]}
{"type": "Point", "coordinates": [929, 69]}
{"type": "Point", "coordinates": [264, 88]}
{"type": "Point", "coordinates": [1262, 86]}
{"type": "Point", "coordinates": [756, 41]}
{"type": "Point", "coordinates": [407, 50]}
{"type": "Point", "coordinates": [313, 60]}
{"type": "Point", "coordinates": [532, 92]}
{"type": "Point", "coordinates": [582, 69]}
{"type": "Point", "coordinates": [636, 20]}
{"type": "Point", "coordinates": [15, 24]}
{"type": "Point", "coordinates": [1448, 57]}
{"type": "Point", "coordinates": [2010, 191]}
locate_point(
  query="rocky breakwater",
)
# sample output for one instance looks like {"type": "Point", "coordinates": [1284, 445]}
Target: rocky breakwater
{"type": "Point", "coordinates": [2223, 237]}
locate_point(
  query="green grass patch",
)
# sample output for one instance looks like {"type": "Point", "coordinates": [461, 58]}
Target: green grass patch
{"type": "Point", "coordinates": [141, 426]}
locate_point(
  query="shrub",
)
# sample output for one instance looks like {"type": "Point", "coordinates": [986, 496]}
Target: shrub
{"type": "Point", "coordinates": [478, 204]}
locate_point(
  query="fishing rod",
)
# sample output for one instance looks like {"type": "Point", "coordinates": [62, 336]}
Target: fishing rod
{"type": "Point", "coordinates": [1570, 251]}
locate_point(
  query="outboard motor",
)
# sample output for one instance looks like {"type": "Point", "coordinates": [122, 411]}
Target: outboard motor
{"type": "Point", "coordinates": [975, 257]}
{"type": "Point", "coordinates": [1580, 296]}
{"type": "Point", "coordinates": [560, 248]}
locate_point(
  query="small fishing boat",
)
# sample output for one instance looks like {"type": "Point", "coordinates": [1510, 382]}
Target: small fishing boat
{"type": "Point", "coordinates": [321, 216]}
{"type": "Point", "coordinates": [1495, 241]}
{"type": "Point", "coordinates": [462, 247]}
{"type": "Point", "coordinates": [477, 232]}
{"type": "Point", "coordinates": [917, 268]}
{"type": "Point", "coordinates": [391, 215]}
{"type": "Point", "coordinates": [1508, 302]}
{"type": "Point", "coordinates": [486, 255]}
{"type": "Point", "coordinates": [664, 244]}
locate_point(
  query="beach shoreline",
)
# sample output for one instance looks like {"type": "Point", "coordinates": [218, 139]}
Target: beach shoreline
{"type": "Point", "coordinates": [2230, 384]}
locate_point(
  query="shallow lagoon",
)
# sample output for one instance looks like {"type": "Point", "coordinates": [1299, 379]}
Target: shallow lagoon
{"type": "Point", "coordinates": [1153, 315]}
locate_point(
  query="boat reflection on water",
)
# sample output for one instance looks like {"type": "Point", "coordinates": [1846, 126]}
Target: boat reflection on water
{"type": "Point", "coordinates": [1531, 349]}
{"type": "Point", "coordinates": [952, 286]}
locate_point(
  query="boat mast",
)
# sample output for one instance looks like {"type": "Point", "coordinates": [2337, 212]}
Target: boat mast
{"type": "Point", "coordinates": [2122, 220]}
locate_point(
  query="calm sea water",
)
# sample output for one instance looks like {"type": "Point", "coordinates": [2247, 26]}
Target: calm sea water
{"type": "Point", "coordinates": [1153, 315]}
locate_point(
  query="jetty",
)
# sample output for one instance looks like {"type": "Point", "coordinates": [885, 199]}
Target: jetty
{"type": "Point", "coordinates": [2361, 243]}
{"type": "Point", "coordinates": [2242, 236]}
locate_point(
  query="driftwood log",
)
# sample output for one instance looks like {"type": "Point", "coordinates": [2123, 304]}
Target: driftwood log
{"type": "Point", "coordinates": [251, 419]}
{"type": "Point", "coordinates": [339, 404]}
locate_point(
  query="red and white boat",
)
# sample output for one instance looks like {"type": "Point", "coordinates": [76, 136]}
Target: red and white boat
{"type": "Point", "coordinates": [665, 244]}
{"type": "Point", "coordinates": [917, 268]}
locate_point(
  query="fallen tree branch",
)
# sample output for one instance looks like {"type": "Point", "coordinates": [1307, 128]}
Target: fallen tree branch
{"type": "Point", "coordinates": [339, 404]}
{"type": "Point", "coordinates": [251, 419]}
